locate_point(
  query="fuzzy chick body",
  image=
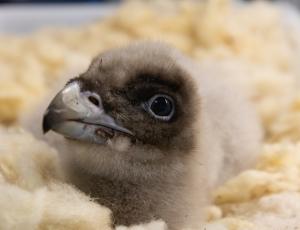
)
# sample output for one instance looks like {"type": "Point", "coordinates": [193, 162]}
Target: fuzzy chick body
{"type": "Point", "coordinates": [168, 168]}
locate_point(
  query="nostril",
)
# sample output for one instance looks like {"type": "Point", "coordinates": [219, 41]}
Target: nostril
{"type": "Point", "coordinates": [94, 100]}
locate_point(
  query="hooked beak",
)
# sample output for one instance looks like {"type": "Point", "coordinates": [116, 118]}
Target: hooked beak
{"type": "Point", "coordinates": [72, 114]}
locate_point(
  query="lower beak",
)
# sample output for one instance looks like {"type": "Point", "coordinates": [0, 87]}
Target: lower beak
{"type": "Point", "coordinates": [73, 115]}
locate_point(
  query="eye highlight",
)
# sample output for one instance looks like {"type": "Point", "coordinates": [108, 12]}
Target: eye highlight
{"type": "Point", "coordinates": [160, 106]}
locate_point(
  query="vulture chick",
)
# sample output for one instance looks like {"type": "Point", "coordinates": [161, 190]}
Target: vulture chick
{"type": "Point", "coordinates": [148, 134]}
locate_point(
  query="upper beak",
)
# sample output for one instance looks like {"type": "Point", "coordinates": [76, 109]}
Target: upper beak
{"type": "Point", "coordinates": [73, 115]}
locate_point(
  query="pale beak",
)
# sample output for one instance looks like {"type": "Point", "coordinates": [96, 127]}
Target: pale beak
{"type": "Point", "coordinates": [72, 114]}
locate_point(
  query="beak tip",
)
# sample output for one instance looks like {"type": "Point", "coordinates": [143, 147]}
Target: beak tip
{"type": "Point", "coordinates": [45, 131]}
{"type": "Point", "coordinates": [46, 125]}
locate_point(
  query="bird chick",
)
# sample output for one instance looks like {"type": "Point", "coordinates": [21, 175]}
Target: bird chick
{"type": "Point", "coordinates": [149, 134]}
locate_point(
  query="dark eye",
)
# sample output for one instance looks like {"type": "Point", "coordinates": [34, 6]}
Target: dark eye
{"type": "Point", "coordinates": [161, 106]}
